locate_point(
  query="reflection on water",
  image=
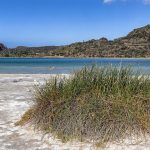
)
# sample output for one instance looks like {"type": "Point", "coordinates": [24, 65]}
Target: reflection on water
{"type": "Point", "coordinates": [65, 65]}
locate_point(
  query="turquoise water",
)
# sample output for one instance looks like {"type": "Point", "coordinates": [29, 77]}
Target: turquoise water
{"type": "Point", "coordinates": [64, 65]}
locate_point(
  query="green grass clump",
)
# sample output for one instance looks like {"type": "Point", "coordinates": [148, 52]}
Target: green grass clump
{"type": "Point", "coordinates": [99, 104]}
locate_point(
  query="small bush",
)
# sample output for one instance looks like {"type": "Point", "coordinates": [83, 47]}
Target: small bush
{"type": "Point", "coordinates": [99, 104]}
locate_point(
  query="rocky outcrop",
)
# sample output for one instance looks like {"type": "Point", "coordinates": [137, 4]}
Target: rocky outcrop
{"type": "Point", "coordinates": [2, 47]}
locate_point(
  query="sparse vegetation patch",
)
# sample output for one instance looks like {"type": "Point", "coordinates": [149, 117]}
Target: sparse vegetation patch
{"type": "Point", "coordinates": [99, 104]}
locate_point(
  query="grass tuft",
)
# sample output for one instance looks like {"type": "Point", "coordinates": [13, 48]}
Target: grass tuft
{"type": "Point", "coordinates": [99, 104]}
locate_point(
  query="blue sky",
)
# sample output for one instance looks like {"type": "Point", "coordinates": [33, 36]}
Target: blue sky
{"type": "Point", "coordinates": [59, 22]}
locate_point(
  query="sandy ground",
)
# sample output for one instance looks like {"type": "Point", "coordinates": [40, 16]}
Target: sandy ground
{"type": "Point", "coordinates": [15, 98]}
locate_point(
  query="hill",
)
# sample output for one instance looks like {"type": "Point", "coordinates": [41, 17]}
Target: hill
{"type": "Point", "coordinates": [135, 44]}
{"type": "Point", "coordinates": [23, 51]}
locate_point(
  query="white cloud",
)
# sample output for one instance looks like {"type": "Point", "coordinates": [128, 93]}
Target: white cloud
{"type": "Point", "coordinates": [110, 1]}
{"type": "Point", "coordinates": [147, 1]}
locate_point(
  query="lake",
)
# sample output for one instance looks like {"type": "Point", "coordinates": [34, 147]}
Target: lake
{"type": "Point", "coordinates": [66, 65]}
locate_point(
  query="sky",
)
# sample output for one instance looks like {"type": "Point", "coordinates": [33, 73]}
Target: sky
{"type": "Point", "coordinates": [61, 22]}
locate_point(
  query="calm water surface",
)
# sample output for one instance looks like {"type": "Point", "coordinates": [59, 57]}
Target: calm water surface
{"type": "Point", "coordinates": [65, 65]}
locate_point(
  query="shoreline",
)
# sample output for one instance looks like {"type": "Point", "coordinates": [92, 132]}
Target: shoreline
{"type": "Point", "coordinates": [51, 57]}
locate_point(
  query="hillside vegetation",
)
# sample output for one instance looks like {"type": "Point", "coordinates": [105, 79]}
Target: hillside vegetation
{"type": "Point", "coordinates": [135, 44]}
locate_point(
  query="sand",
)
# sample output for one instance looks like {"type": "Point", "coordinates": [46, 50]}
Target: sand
{"type": "Point", "coordinates": [15, 98]}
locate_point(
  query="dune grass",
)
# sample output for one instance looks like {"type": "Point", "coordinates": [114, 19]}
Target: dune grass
{"type": "Point", "coordinates": [99, 104]}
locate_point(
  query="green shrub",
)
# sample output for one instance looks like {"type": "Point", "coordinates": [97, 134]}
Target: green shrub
{"type": "Point", "coordinates": [100, 104]}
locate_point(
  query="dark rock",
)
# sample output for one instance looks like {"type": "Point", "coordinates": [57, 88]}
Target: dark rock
{"type": "Point", "coordinates": [2, 47]}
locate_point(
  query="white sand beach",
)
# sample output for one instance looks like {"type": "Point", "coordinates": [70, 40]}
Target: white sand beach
{"type": "Point", "coordinates": [15, 98]}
